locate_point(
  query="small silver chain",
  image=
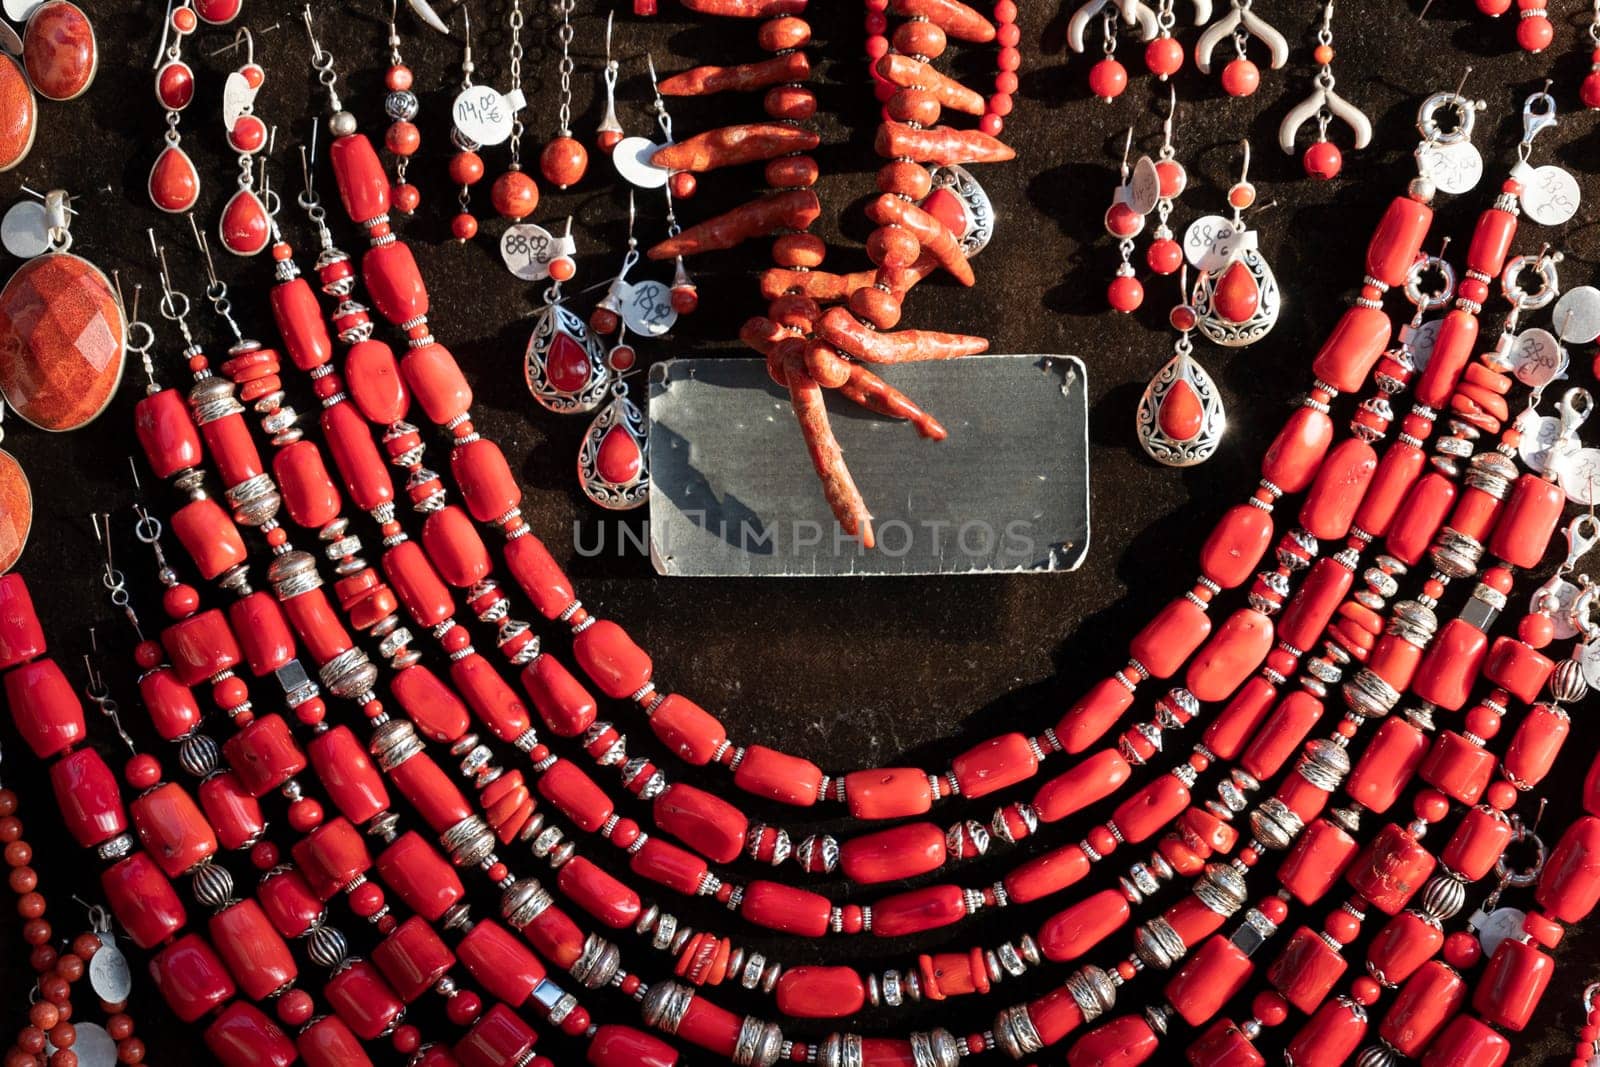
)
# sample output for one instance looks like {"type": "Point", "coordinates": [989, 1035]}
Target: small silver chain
{"type": "Point", "coordinates": [564, 35]}
{"type": "Point", "coordinates": [516, 82]}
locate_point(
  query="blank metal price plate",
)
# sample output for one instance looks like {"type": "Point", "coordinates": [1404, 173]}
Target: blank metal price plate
{"type": "Point", "coordinates": [733, 492]}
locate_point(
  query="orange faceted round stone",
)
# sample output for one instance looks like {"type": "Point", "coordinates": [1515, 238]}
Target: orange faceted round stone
{"type": "Point", "coordinates": [62, 342]}
{"type": "Point", "coordinates": [16, 510]}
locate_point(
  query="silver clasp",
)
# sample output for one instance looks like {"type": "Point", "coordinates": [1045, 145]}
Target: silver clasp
{"type": "Point", "coordinates": [1538, 115]}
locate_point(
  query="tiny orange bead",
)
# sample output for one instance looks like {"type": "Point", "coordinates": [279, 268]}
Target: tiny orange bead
{"type": "Point", "coordinates": [1323, 54]}
{"type": "Point", "coordinates": [562, 268]}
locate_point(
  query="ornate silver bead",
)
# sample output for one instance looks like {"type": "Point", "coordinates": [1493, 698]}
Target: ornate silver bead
{"type": "Point", "coordinates": [326, 947]}
{"type": "Point", "coordinates": [758, 1044]}
{"type": "Point", "coordinates": [1014, 1033]}
{"type": "Point", "coordinates": [212, 885]}
{"type": "Point", "coordinates": [597, 963]}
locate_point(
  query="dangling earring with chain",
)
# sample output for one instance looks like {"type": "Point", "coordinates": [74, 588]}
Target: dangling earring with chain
{"type": "Point", "coordinates": [564, 159]}
{"type": "Point", "coordinates": [244, 227]}
{"type": "Point", "coordinates": [1124, 222]}
{"type": "Point", "coordinates": [466, 166]}
{"type": "Point", "coordinates": [514, 194]}
{"type": "Point", "coordinates": [609, 132]}
{"type": "Point", "coordinates": [613, 460]}
{"type": "Point", "coordinates": [564, 364]}
{"type": "Point", "coordinates": [1323, 159]}
{"type": "Point", "coordinates": [174, 183]}
{"type": "Point", "coordinates": [402, 138]}
{"type": "Point", "coordinates": [1165, 255]}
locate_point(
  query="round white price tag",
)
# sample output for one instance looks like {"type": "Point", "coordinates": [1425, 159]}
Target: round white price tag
{"type": "Point", "coordinates": [23, 230]}
{"type": "Point", "coordinates": [1564, 593]}
{"type": "Point", "coordinates": [1550, 196]}
{"type": "Point", "coordinates": [1422, 340]}
{"type": "Point", "coordinates": [108, 972]}
{"type": "Point", "coordinates": [1579, 476]}
{"type": "Point", "coordinates": [1200, 242]}
{"type": "Point", "coordinates": [482, 114]}
{"type": "Point", "coordinates": [1453, 168]}
{"type": "Point", "coordinates": [1536, 441]}
{"type": "Point", "coordinates": [647, 308]}
{"type": "Point", "coordinates": [527, 249]}
{"type": "Point", "coordinates": [1146, 186]}
{"type": "Point", "coordinates": [1577, 315]}
{"type": "Point", "coordinates": [1537, 358]}
{"type": "Point", "coordinates": [632, 159]}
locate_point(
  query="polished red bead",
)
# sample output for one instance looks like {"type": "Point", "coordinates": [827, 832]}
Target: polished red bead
{"type": "Point", "coordinates": [1236, 545]}
{"type": "Point", "coordinates": [1122, 1042]}
{"type": "Point", "coordinates": [1070, 933]}
{"type": "Point", "coordinates": [264, 754]}
{"type": "Point", "coordinates": [46, 709]}
{"type": "Point", "coordinates": [430, 790]}
{"type": "Point", "coordinates": [242, 1036]}
{"type": "Point", "coordinates": [436, 379]}
{"type": "Point", "coordinates": [612, 659]}
{"type": "Point", "coordinates": [143, 900]}
{"type": "Point", "coordinates": [363, 1000]}
{"type": "Point", "coordinates": [1569, 884]}
{"type": "Point", "coordinates": [308, 490]}
{"type": "Point", "coordinates": [201, 646]}
{"type": "Point", "coordinates": [1428, 1000]}
{"type": "Point", "coordinates": [420, 876]}
{"type": "Point", "coordinates": [994, 764]}
{"type": "Point", "coordinates": [1457, 767]}
{"type": "Point", "coordinates": [778, 776]}
{"type": "Point", "coordinates": [1092, 780]}
{"type": "Point", "coordinates": [703, 821]}
{"type": "Point", "coordinates": [1306, 970]}
{"type": "Point", "coordinates": [1341, 481]}
{"type": "Point", "coordinates": [1429, 501]}
{"type": "Point", "coordinates": [1223, 1045]}
{"type": "Point", "coordinates": [432, 706]}
{"type": "Point", "coordinates": [263, 632]}
{"type": "Point", "coordinates": [363, 183]}
{"type": "Point", "coordinates": [598, 893]}
{"type": "Point", "coordinates": [785, 908]}
{"type": "Point", "coordinates": [1451, 665]}
{"type": "Point", "coordinates": [352, 781]}
{"type": "Point", "coordinates": [87, 797]}
{"type": "Point", "coordinates": [1282, 734]}
{"type": "Point", "coordinates": [355, 455]}
{"type": "Point", "coordinates": [1397, 472]}
{"type": "Point", "coordinates": [334, 852]}
{"type": "Point", "coordinates": [501, 962]}
{"type": "Point", "coordinates": [167, 434]}
{"type": "Point", "coordinates": [1517, 668]}
{"type": "Point", "coordinates": [566, 786]}
{"type": "Point", "coordinates": [820, 992]}
{"type": "Point", "coordinates": [1391, 869]}
{"type": "Point", "coordinates": [1467, 1042]}
{"type": "Point", "coordinates": [623, 1046]}
{"type": "Point", "coordinates": [917, 910]}
{"type": "Point", "coordinates": [1297, 451]}
{"type": "Point", "coordinates": [1387, 764]}
{"type": "Point", "coordinates": [1315, 861]}
{"type": "Point", "coordinates": [1508, 990]}
{"type": "Point", "coordinates": [1479, 840]}
{"type": "Point", "coordinates": [1308, 613]}
{"type": "Point", "coordinates": [173, 829]}
{"type": "Point", "coordinates": [497, 1039]}
{"type": "Point", "coordinates": [1232, 655]}
{"type": "Point", "coordinates": [1330, 1037]}
{"type": "Point", "coordinates": [191, 978]}
{"type": "Point", "coordinates": [376, 386]}
{"type": "Point", "coordinates": [1093, 714]}
{"type": "Point", "coordinates": [1405, 943]}
{"type": "Point", "coordinates": [1046, 874]}
{"type": "Point", "coordinates": [536, 573]}
{"type": "Point", "coordinates": [1171, 637]}
{"type": "Point", "coordinates": [666, 864]}
{"type": "Point", "coordinates": [488, 486]}
{"type": "Point", "coordinates": [254, 952]}
{"type": "Point", "coordinates": [1237, 722]}
{"type": "Point", "coordinates": [412, 958]}
{"type": "Point", "coordinates": [884, 793]}
{"type": "Point", "coordinates": [493, 702]}
{"type": "Point", "coordinates": [455, 548]}
{"type": "Point", "coordinates": [21, 636]}
{"type": "Point", "coordinates": [563, 704]}
{"type": "Point", "coordinates": [1208, 979]}
{"type": "Point", "coordinates": [1530, 518]}
{"type": "Point", "coordinates": [1453, 347]}
{"type": "Point", "coordinates": [1151, 808]}
{"type": "Point", "coordinates": [1397, 239]}
{"type": "Point", "coordinates": [1345, 358]}
{"type": "Point", "coordinates": [893, 854]}
{"type": "Point", "coordinates": [300, 323]}
{"type": "Point", "coordinates": [231, 810]}
{"type": "Point", "coordinates": [328, 1042]}
{"type": "Point", "coordinates": [289, 901]}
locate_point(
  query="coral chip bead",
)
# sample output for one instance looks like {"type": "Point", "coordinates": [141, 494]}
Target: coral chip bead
{"type": "Point", "coordinates": [1125, 294]}
{"type": "Point", "coordinates": [1108, 79]}
{"type": "Point", "coordinates": [466, 168]}
{"type": "Point", "coordinates": [1240, 78]}
{"type": "Point", "coordinates": [563, 161]}
{"type": "Point", "coordinates": [514, 195]}
{"type": "Point", "coordinates": [1322, 160]}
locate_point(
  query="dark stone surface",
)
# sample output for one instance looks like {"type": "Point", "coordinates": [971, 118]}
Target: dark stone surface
{"type": "Point", "coordinates": [849, 673]}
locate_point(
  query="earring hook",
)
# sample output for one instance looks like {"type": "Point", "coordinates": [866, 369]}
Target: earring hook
{"type": "Point", "coordinates": [1172, 114]}
{"type": "Point", "coordinates": [1244, 171]}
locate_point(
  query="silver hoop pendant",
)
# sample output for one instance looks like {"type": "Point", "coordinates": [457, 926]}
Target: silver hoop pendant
{"type": "Point", "coordinates": [564, 365]}
{"type": "Point", "coordinates": [1180, 419]}
{"type": "Point", "coordinates": [1238, 303]}
{"type": "Point", "coordinates": [613, 463]}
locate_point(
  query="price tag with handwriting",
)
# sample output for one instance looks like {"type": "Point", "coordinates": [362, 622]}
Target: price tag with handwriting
{"type": "Point", "coordinates": [647, 308]}
{"type": "Point", "coordinates": [483, 114]}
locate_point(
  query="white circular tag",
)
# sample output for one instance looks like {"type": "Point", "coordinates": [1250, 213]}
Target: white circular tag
{"type": "Point", "coordinates": [108, 972]}
{"type": "Point", "coordinates": [632, 159]}
{"type": "Point", "coordinates": [1537, 358]}
{"type": "Point", "coordinates": [1200, 242]}
{"type": "Point", "coordinates": [527, 249]}
{"type": "Point", "coordinates": [1453, 168]}
{"type": "Point", "coordinates": [1579, 476]}
{"type": "Point", "coordinates": [1422, 340]}
{"type": "Point", "coordinates": [482, 114]}
{"type": "Point", "coordinates": [1550, 196]}
{"type": "Point", "coordinates": [94, 1046]}
{"type": "Point", "coordinates": [23, 230]}
{"type": "Point", "coordinates": [1500, 924]}
{"type": "Point", "coordinates": [647, 308]}
{"type": "Point", "coordinates": [1537, 438]}
{"type": "Point", "coordinates": [238, 98]}
{"type": "Point", "coordinates": [1577, 315]}
{"type": "Point", "coordinates": [1145, 185]}
{"type": "Point", "coordinates": [1565, 593]}
{"type": "Point", "coordinates": [19, 10]}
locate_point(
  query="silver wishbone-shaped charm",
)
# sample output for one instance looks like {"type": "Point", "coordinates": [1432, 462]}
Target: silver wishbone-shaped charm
{"type": "Point", "coordinates": [1323, 96]}
{"type": "Point", "coordinates": [1133, 12]}
{"type": "Point", "coordinates": [1241, 17]}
